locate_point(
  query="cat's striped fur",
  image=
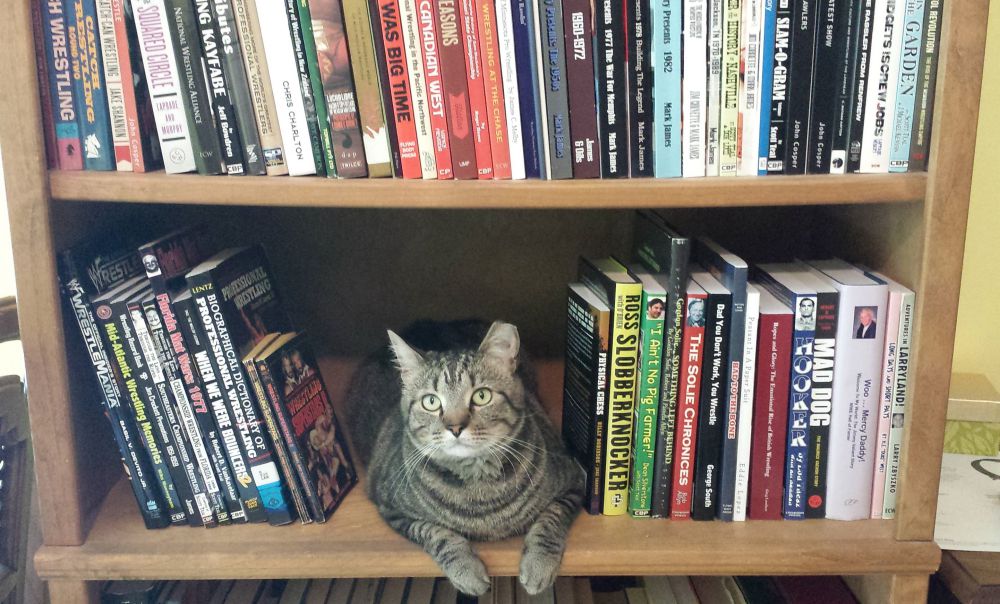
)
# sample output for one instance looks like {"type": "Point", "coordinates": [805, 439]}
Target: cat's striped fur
{"type": "Point", "coordinates": [444, 467]}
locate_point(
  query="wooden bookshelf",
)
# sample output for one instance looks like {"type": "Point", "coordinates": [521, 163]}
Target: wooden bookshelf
{"type": "Point", "coordinates": [370, 261]}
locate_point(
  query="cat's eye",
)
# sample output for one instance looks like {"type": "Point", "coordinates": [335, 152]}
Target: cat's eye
{"type": "Point", "coordinates": [482, 396]}
{"type": "Point", "coordinates": [430, 402]}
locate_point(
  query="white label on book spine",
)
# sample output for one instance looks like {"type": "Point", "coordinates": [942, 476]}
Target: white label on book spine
{"type": "Point", "coordinates": [693, 90]}
{"type": "Point", "coordinates": [508, 69]}
{"type": "Point", "coordinates": [113, 80]}
{"type": "Point", "coordinates": [713, 106]}
{"type": "Point", "coordinates": [745, 415]}
{"type": "Point", "coordinates": [286, 87]}
{"type": "Point", "coordinates": [880, 104]}
{"type": "Point", "coordinates": [164, 85]}
{"type": "Point", "coordinates": [418, 88]}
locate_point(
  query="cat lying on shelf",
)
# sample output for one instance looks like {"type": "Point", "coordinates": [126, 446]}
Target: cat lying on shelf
{"type": "Point", "coordinates": [458, 448]}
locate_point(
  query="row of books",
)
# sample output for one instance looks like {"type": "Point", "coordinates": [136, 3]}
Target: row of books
{"type": "Point", "coordinates": [216, 404]}
{"type": "Point", "coordinates": [504, 89]}
{"type": "Point", "coordinates": [699, 386]}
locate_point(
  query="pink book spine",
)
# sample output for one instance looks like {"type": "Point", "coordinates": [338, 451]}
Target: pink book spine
{"type": "Point", "coordinates": [885, 403]}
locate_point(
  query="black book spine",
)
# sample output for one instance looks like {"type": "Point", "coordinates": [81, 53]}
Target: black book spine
{"type": "Point", "coordinates": [640, 90]}
{"type": "Point", "coordinates": [800, 81]}
{"type": "Point", "coordinates": [824, 352]}
{"type": "Point", "coordinates": [847, 73]}
{"type": "Point", "coordinates": [781, 64]}
{"type": "Point", "coordinates": [386, 91]}
{"type": "Point", "coordinates": [134, 456]}
{"type": "Point", "coordinates": [210, 416]}
{"type": "Point", "coordinates": [859, 91]}
{"type": "Point", "coordinates": [711, 412]}
{"type": "Point", "coordinates": [611, 65]}
{"type": "Point", "coordinates": [556, 104]}
{"type": "Point", "coordinates": [187, 48]}
{"type": "Point", "coordinates": [920, 139]}
{"type": "Point", "coordinates": [831, 40]}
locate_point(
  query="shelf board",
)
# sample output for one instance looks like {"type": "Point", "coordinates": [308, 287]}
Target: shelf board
{"type": "Point", "coordinates": [158, 187]}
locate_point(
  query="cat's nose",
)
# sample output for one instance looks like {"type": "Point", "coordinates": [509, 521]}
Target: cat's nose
{"type": "Point", "coordinates": [456, 429]}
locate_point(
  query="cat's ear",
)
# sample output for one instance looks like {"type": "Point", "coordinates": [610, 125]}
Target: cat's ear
{"type": "Point", "coordinates": [407, 358]}
{"type": "Point", "coordinates": [501, 345]}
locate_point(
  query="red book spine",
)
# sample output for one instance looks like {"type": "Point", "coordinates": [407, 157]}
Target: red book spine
{"type": "Point", "coordinates": [477, 89]}
{"type": "Point", "coordinates": [692, 350]}
{"type": "Point", "coordinates": [429, 41]}
{"type": "Point", "coordinates": [44, 93]}
{"type": "Point", "coordinates": [496, 113]}
{"type": "Point", "coordinates": [399, 85]}
{"type": "Point", "coordinates": [135, 154]}
{"type": "Point", "coordinates": [456, 91]}
{"type": "Point", "coordinates": [770, 416]}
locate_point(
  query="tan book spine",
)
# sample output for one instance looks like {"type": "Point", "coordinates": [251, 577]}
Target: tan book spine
{"type": "Point", "coordinates": [367, 88]}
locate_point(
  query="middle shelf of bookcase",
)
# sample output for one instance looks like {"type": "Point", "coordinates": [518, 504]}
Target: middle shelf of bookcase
{"type": "Point", "coordinates": [355, 542]}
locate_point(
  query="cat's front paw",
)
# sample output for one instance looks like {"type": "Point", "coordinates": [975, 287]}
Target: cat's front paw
{"type": "Point", "coordinates": [538, 570]}
{"type": "Point", "coordinates": [468, 575]}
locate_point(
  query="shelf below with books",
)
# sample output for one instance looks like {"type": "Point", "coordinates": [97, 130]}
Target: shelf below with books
{"type": "Point", "coordinates": [158, 187]}
{"type": "Point", "coordinates": [355, 542]}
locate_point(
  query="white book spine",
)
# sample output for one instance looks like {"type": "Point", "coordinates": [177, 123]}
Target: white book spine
{"type": "Point", "coordinates": [886, 392]}
{"type": "Point", "coordinates": [744, 428]}
{"type": "Point", "coordinates": [713, 106]}
{"type": "Point", "coordinates": [693, 89]}
{"type": "Point", "coordinates": [750, 86]}
{"type": "Point", "coordinates": [418, 88]}
{"type": "Point", "coordinates": [887, 40]}
{"type": "Point", "coordinates": [164, 85]}
{"type": "Point", "coordinates": [113, 80]}
{"type": "Point", "coordinates": [854, 420]}
{"type": "Point", "coordinates": [900, 401]}
{"type": "Point", "coordinates": [543, 102]}
{"type": "Point", "coordinates": [508, 71]}
{"type": "Point", "coordinates": [286, 87]}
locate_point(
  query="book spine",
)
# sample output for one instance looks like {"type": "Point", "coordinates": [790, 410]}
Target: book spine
{"type": "Point", "coordinates": [556, 100]}
{"type": "Point", "coordinates": [477, 89]}
{"type": "Point", "coordinates": [744, 420]}
{"type": "Point", "coordinates": [846, 75]}
{"type": "Point", "coordinates": [238, 82]}
{"type": "Point", "coordinates": [431, 45]}
{"type": "Point", "coordinates": [287, 433]}
{"type": "Point", "coordinates": [886, 391]}
{"type": "Point", "coordinates": [398, 85]}
{"type": "Point", "coordinates": [731, 406]}
{"type": "Point", "coordinates": [313, 99]}
{"type": "Point", "coordinates": [859, 90]}
{"type": "Point", "coordinates": [624, 353]}
{"type": "Point", "coordinates": [42, 82]}
{"type": "Point", "coordinates": [782, 60]}
{"type": "Point", "coordinates": [276, 42]}
{"type": "Point", "coordinates": [906, 86]}
{"type": "Point", "coordinates": [418, 87]}
{"type": "Point", "coordinates": [767, 52]}
{"type": "Point", "coordinates": [714, 394]}
{"type": "Point", "coordinates": [612, 84]}
{"type": "Point", "coordinates": [750, 83]}
{"type": "Point", "coordinates": [187, 49]}
{"type": "Point", "coordinates": [642, 158]}
{"type": "Point", "coordinates": [92, 98]}
{"type": "Point", "coordinates": [900, 401]}
{"type": "Point", "coordinates": [713, 98]}
{"type": "Point", "coordinates": [456, 90]}
{"type": "Point", "coordinates": [493, 87]}
{"type": "Point", "coordinates": [800, 80]}
{"type": "Point", "coordinates": [687, 413]}
{"type": "Point", "coordinates": [800, 397]}
{"type": "Point", "coordinates": [527, 86]}
{"type": "Point", "coordinates": [647, 404]}
{"type": "Point", "coordinates": [511, 87]}
{"type": "Point", "coordinates": [141, 154]}
{"type": "Point", "coordinates": [821, 403]}
{"type": "Point", "coordinates": [882, 75]}
{"type": "Point", "coordinates": [117, 111]}
{"type": "Point", "coordinates": [134, 458]}
{"type": "Point", "coordinates": [694, 84]}
{"type": "Point", "coordinates": [259, 82]}
{"type": "Point", "coordinates": [926, 82]}
{"type": "Point", "coordinates": [57, 28]}
{"type": "Point", "coordinates": [539, 67]}
{"type": "Point", "coordinates": [241, 404]}
{"type": "Point", "coordinates": [666, 63]}
{"type": "Point", "coordinates": [378, 45]}
{"type": "Point", "coordinates": [213, 417]}
{"type": "Point", "coordinates": [729, 119]}
{"type": "Point", "coordinates": [219, 88]}
{"type": "Point", "coordinates": [367, 86]}
{"type": "Point", "coordinates": [578, 36]}
{"type": "Point", "coordinates": [832, 37]}
{"type": "Point", "coordinates": [767, 454]}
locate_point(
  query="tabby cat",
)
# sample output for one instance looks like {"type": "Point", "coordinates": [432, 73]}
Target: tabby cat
{"type": "Point", "coordinates": [458, 448]}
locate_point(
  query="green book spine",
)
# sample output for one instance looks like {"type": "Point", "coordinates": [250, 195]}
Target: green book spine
{"type": "Point", "coordinates": [316, 87]}
{"type": "Point", "coordinates": [647, 402]}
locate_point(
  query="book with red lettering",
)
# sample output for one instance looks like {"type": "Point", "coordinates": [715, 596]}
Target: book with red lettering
{"type": "Point", "coordinates": [496, 111]}
{"type": "Point", "coordinates": [688, 394]}
{"type": "Point", "coordinates": [401, 105]}
{"type": "Point", "coordinates": [456, 89]}
{"type": "Point", "coordinates": [429, 42]}
{"type": "Point", "coordinates": [477, 89]}
{"type": "Point", "coordinates": [770, 417]}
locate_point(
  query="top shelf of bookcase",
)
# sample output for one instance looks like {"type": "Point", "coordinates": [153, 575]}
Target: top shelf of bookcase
{"type": "Point", "coordinates": [158, 187]}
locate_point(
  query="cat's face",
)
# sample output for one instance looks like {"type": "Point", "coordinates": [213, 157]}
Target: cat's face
{"type": "Point", "coordinates": [462, 403]}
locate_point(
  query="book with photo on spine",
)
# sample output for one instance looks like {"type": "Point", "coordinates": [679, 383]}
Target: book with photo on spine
{"type": "Point", "coordinates": [361, 34]}
{"type": "Point", "coordinates": [318, 117]}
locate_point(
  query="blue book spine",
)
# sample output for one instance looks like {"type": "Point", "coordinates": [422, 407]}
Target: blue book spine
{"type": "Point", "coordinates": [906, 86]}
{"type": "Point", "coordinates": [55, 27]}
{"type": "Point", "coordinates": [527, 86]}
{"type": "Point", "coordinates": [666, 36]}
{"type": "Point", "coordinates": [767, 80]}
{"type": "Point", "coordinates": [88, 76]}
{"type": "Point", "coordinates": [799, 402]}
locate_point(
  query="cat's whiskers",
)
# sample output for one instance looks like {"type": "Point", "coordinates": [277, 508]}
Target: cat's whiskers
{"type": "Point", "coordinates": [521, 459]}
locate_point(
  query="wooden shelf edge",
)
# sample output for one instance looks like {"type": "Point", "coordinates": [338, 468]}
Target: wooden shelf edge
{"type": "Point", "coordinates": [159, 187]}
